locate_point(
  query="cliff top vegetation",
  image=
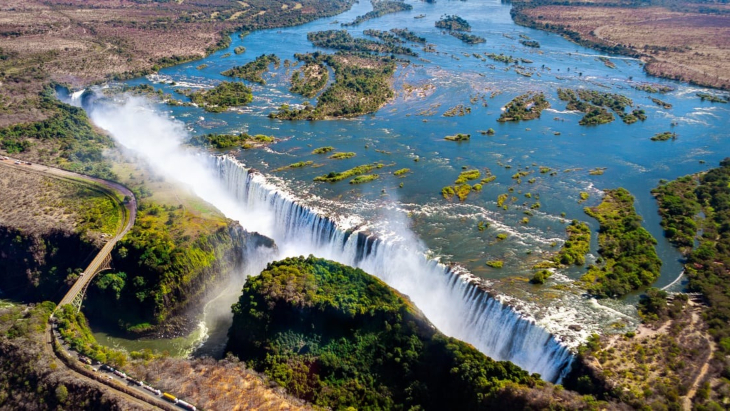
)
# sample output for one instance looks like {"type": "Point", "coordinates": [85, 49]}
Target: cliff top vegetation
{"type": "Point", "coordinates": [338, 337]}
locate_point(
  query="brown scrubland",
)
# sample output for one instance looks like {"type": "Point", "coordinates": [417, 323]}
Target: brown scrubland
{"type": "Point", "coordinates": [217, 385]}
{"type": "Point", "coordinates": [683, 41]}
{"type": "Point", "coordinates": [78, 42]}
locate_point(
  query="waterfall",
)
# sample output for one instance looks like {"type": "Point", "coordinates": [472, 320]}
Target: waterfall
{"type": "Point", "coordinates": [451, 298]}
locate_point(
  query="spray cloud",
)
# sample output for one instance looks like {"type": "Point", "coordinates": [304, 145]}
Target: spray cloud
{"type": "Point", "coordinates": [452, 302]}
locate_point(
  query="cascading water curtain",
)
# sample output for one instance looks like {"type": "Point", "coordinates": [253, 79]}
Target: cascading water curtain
{"type": "Point", "coordinates": [451, 299]}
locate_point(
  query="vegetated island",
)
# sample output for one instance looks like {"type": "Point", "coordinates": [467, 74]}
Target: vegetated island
{"type": "Point", "coordinates": [462, 188]}
{"type": "Point", "coordinates": [712, 98]}
{"type": "Point", "coordinates": [502, 58]}
{"type": "Point", "coordinates": [685, 46]}
{"type": "Point", "coordinates": [322, 150]}
{"type": "Point", "coordinates": [339, 337]}
{"type": "Point", "coordinates": [343, 41]}
{"type": "Point", "coordinates": [573, 251]}
{"type": "Point", "coordinates": [361, 86]}
{"type": "Point", "coordinates": [456, 26]}
{"type": "Point", "coordinates": [661, 103]}
{"type": "Point", "coordinates": [222, 97]}
{"type": "Point", "coordinates": [530, 43]}
{"type": "Point", "coordinates": [299, 164]}
{"type": "Point", "coordinates": [527, 106]}
{"type": "Point", "coordinates": [384, 36]}
{"type": "Point", "coordinates": [458, 137]}
{"type": "Point", "coordinates": [229, 141]}
{"type": "Point", "coordinates": [653, 88]}
{"type": "Point", "coordinates": [595, 104]}
{"type": "Point", "coordinates": [380, 8]}
{"type": "Point", "coordinates": [253, 71]}
{"type": "Point", "coordinates": [334, 177]}
{"type": "Point", "coordinates": [628, 258]}
{"type": "Point", "coordinates": [310, 79]}
{"type": "Point", "coordinates": [468, 38]}
{"type": "Point", "coordinates": [453, 22]}
{"type": "Point", "coordinates": [667, 135]}
{"type": "Point", "coordinates": [408, 35]}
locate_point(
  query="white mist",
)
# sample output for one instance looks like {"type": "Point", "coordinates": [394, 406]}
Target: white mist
{"type": "Point", "coordinates": [455, 306]}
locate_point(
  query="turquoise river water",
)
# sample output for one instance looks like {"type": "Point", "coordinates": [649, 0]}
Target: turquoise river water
{"type": "Point", "coordinates": [412, 127]}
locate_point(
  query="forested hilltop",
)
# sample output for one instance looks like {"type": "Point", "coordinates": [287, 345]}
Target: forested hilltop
{"type": "Point", "coordinates": [339, 337]}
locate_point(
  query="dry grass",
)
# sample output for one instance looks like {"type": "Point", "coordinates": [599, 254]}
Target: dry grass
{"type": "Point", "coordinates": [216, 385]}
{"type": "Point", "coordinates": [36, 204]}
{"type": "Point", "coordinates": [661, 360]}
{"type": "Point", "coordinates": [78, 42]}
{"type": "Point", "coordinates": [683, 45]}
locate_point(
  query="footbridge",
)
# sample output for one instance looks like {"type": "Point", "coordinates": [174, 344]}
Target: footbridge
{"type": "Point", "coordinates": [102, 261]}
{"type": "Point", "coordinates": [116, 192]}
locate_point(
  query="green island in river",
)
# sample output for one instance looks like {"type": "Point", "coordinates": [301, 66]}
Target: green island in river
{"type": "Point", "coordinates": [106, 201]}
{"type": "Point", "coordinates": [340, 338]}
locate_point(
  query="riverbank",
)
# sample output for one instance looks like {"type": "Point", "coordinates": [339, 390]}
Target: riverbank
{"type": "Point", "coordinates": [90, 42]}
{"type": "Point", "coordinates": [683, 42]}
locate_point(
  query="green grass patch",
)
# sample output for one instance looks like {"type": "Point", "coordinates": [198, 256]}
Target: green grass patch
{"type": "Point", "coordinates": [322, 150]}
{"type": "Point", "coordinates": [333, 177]}
{"type": "Point", "coordinates": [341, 156]}
{"type": "Point", "coordinates": [364, 179]}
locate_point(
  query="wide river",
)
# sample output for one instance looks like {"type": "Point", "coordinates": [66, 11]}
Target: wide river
{"type": "Point", "coordinates": [412, 127]}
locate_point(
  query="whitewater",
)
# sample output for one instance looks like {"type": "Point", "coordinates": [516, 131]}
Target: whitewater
{"type": "Point", "coordinates": [455, 301]}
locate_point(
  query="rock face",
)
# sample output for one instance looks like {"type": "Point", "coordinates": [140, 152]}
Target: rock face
{"type": "Point", "coordinates": [339, 337]}
{"type": "Point", "coordinates": [38, 267]}
{"type": "Point", "coordinates": [35, 266]}
{"type": "Point", "coordinates": [175, 292]}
